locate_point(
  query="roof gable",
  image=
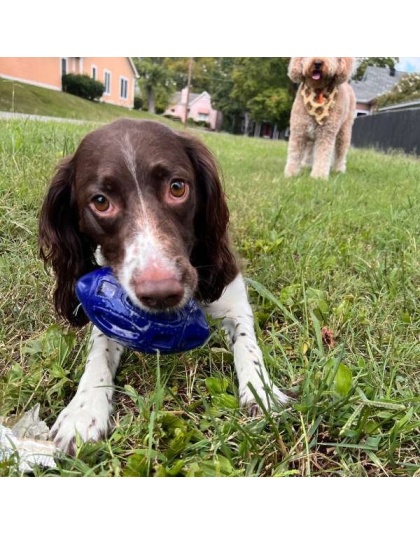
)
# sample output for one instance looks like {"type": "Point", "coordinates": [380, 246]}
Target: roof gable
{"type": "Point", "coordinates": [375, 82]}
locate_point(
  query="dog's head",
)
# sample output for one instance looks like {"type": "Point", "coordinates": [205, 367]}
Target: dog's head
{"type": "Point", "coordinates": [319, 72]}
{"type": "Point", "coordinates": [151, 201]}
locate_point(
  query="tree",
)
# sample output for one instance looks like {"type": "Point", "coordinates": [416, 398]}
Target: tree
{"type": "Point", "coordinates": [155, 80]}
{"type": "Point", "coordinates": [205, 73]}
{"type": "Point", "coordinates": [261, 86]}
{"type": "Point", "coordinates": [365, 62]}
{"type": "Point", "coordinates": [406, 90]}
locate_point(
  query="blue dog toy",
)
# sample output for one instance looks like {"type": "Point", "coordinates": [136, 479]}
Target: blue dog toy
{"type": "Point", "coordinates": [110, 309]}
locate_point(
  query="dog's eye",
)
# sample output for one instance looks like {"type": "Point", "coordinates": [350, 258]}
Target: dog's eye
{"type": "Point", "coordinates": [101, 203]}
{"type": "Point", "coordinates": [178, 188]}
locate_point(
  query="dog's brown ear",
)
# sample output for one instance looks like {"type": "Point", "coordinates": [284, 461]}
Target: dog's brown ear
{"type": "Point", "coordinates": [345, 69]}
{"type": "Point", "coordinates": [62, 245]}
{"type": "Point", "coordinates": [295, 70]}
{"type": "Point", "coordinates": [211, 255]}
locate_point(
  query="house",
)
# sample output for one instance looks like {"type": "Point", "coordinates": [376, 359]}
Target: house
{"type": "Point", "coordinates": [118, 74]}
{"type": "Point", "coordinates": [199, 109]}
{"type": "Point", "coordinates": [375, 82]}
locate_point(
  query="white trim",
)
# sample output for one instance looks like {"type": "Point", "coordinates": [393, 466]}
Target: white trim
{"type": "Point", "coordinates": [81, 65]}
{"type": "Point", "coordinates": [136, 74]}
{"type": "Point", "coordinates": [106, 71]}
{"type": "Point", "coordinates": [31, 82]}
{"type": "Point", "coordinates": [126, 80]}
{"type": "Point", "coordinates": [91, 71]}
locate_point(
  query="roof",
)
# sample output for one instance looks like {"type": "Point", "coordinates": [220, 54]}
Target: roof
{"type": "Point", "coordinates": [136, 74]}
{"type": "Point", "coordinates": [191, 97]}
{"type": "Point", "coordinates": [375, 82]}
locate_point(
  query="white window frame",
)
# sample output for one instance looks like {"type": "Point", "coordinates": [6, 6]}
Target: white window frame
{"type": "Point", "coordinates": [123, 79]}
{"type": "Point", "coordinates": [94, 69]}
{"type": "Point", "coordinates": [107, 72]}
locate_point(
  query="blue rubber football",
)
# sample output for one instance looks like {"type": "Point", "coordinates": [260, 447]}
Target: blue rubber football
{"type": "Point", "coordinates": [110, 309]}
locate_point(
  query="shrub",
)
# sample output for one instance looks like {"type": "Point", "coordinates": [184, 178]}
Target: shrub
{"type": "Point", "coordinates": [406, 90]}
{"type": "Point", "coordinates": [198, 123]}
{"type": "Point", "coordinates": [82, 85]}
{"type": "Point", "coordinates": [138, 102]}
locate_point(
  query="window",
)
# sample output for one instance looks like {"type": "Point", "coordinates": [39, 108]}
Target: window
{"type": "Point", "coordinates": [94, 72]}
{"type": "Point", "coordinates": [123, 87]}
{"type": "Point", "coordinates": [107, 82]}
{"type": "Point", "coordinates": [203, 116]}
{"type": "Point", "coordinates": [63, 66]}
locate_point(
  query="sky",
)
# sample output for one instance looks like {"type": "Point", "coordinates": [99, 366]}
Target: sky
{"type": "Point", "coordinates": [409, 64]}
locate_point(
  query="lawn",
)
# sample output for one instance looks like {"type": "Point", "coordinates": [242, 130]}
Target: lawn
{"type": "Point", "coordinates": [333, 274]}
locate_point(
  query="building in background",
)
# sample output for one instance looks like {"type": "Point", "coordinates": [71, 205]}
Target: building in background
{"type": "Point", "coordinates": [199, 110]}
{"type": "Point", "coordinates": [118, 74]}
{"type": "Point", "coordinates": [375, 82]}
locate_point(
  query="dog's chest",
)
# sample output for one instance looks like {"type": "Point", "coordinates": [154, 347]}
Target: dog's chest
{"type": "Point", "coordinates": [311, 129]}
{"type": "Point", "coordinates": [319, 104]}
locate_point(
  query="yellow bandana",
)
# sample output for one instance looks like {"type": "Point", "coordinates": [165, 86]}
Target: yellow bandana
{"type": "Point", "coordinates": [319, 103]}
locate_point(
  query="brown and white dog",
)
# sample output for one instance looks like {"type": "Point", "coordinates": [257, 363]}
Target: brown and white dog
{"type": "Point", "coordinates": [322, 115]}
{"type": "Point", "coordinates": [148, 202]}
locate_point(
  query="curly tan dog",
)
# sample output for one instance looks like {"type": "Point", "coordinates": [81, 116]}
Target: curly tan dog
{"type": "Point", "coordinates": [322, 114]}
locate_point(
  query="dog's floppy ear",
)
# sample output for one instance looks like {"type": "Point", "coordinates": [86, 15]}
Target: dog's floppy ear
{"type": "Point", "coordinates": [62, 245]}
{"type": "Point", "coordinates": [211, 255]}
{"type": "Point", "coordinates": [295, 70]}
{"type": "Point", "coordinates": [345, 69]}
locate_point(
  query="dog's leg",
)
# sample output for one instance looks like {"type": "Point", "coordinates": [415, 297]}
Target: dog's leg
{"type": "Point", "coordinates": [323, 153]}
{"type": "Point", "coordinates": [342, 145]}
{"type": "Point", "coordinates": [238, 322]}
{"type": "Point", "coordinates": [295, 150]}
{"type": "Point", "coordinates": [88, 414]}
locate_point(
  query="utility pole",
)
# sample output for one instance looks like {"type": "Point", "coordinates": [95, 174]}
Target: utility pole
{"type": "Point", "coordinates": [190, 66]}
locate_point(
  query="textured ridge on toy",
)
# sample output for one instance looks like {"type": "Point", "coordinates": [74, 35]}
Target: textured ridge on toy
{"type": "Point", "coordinates": [111, 310]}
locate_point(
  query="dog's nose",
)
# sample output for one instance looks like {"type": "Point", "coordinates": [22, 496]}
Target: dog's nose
{"type": "Point", "coordinates": [318, 64]}
{"type": "Point", "coordinates": [160, 294]}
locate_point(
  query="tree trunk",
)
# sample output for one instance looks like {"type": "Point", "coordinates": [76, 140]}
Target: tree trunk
{"type": "Point", "coordinates": [246, 125]}
{"type": "Point", "coordinates": [151, 101]}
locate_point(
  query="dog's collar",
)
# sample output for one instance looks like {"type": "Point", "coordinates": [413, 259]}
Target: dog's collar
{"type": "Point", "coordinates": [319, 102]}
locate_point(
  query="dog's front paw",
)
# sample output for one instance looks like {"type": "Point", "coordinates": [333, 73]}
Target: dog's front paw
{"type": "Point", "coordinates": [271, 398]}
{"type": "Point", "coordinates": [87, 416]}
{"type": "Point", "coordinates": [291, 171]}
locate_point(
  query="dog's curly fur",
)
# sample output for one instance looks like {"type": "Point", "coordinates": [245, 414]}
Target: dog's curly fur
{"type": "Point", "coordinates": [321, 146]}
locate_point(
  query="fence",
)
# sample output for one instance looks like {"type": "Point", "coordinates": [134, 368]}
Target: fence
{"type": "Point", "coordinates": [398, 130]}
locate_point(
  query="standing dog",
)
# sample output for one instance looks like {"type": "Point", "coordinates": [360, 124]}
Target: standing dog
{"type": "Point", "coordinates": [322, 114]}
{"type": "Point", "coordinates": [148, 202]}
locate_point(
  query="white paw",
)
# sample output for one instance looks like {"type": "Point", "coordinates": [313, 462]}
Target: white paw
{"type": "Point", "coordinates": [269, 396]}
{"type": "Point", "coordinates": [87, 415]}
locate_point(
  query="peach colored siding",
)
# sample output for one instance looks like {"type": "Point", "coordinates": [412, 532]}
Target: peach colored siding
{"type": "Point", "coordinates": [118, 67]}
{"type": "Point", "coordinates": [43, 71]}
{"type": "Point", "coordinates": [46, 72]}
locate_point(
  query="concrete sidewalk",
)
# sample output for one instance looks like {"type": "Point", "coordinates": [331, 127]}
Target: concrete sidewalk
{"type": "Point", "coordinates": [23, 116]}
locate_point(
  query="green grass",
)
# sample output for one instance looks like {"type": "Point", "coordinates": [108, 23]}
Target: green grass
{"type": "Point", "coordinates": [342, 255]}
{"type": "Point", "coordinates": [19, 97]}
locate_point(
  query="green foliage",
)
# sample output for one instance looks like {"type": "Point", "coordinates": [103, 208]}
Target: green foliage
{"type": "Point", "coordinates": [138, 102]}
{"type": "Point", "coordinates": [406, 90]}
{"type": "Point", "coordinates": [82, 85]}
{"type": "Point", "coordinates": [155, 82]}
{"type": "Point", "coordinates": [261, 86]}
{"type": "Point", "coordinates": [342, 254]}
{"type": "Point", "coordinates": [365, 62]}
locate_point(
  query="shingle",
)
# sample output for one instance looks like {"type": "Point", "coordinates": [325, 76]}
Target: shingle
{"type": "Point", "coordinates": [376, 81]}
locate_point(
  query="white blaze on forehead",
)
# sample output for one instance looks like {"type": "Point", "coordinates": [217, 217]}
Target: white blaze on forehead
{"type": "Point", "coordinates": [129, 155]}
